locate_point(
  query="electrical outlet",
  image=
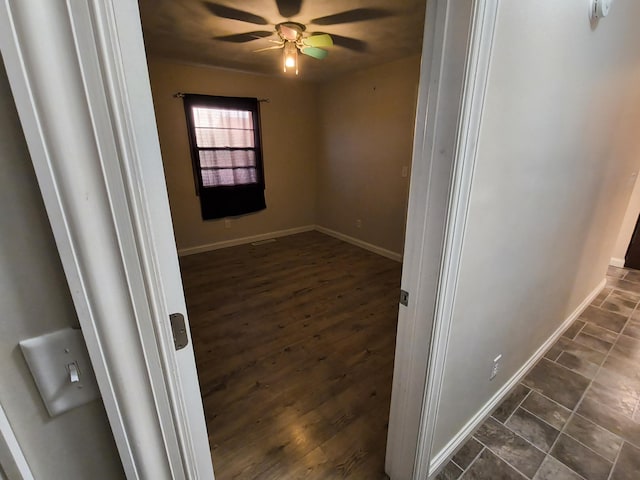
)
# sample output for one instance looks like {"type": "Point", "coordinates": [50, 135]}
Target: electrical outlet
{"type": "Point", "coordinates": [358, 223]}
{"type": "Point", "coordinates": [495, 368]}
{"type": "Point", "coordinates": [405, 171]}
{"type": "Point", "coordinates": [227, 223]}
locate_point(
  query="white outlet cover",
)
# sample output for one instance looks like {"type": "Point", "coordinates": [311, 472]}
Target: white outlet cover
{"type": "Point", "coordinates": [49, 358]}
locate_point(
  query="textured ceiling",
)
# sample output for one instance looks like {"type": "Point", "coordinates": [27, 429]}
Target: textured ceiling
{"type": "Point", "coordinates": [365, 32]}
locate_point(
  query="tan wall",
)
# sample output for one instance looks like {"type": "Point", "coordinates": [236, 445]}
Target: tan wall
{"type": "Point", "coordinates": [289, 137]}
{"type": "Point", "coordinates": [558, 145]}
{"type": "Point", "coordinates": [35, 300]}
{"type": "Point", "coordinates": [367, 122]}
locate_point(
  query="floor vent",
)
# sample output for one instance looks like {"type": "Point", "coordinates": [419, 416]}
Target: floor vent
{"type": "Point", "coordinates": [262, 242]}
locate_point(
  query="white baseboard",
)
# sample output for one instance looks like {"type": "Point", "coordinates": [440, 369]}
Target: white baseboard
{"type": "Point", "coordinates": [291, 231]}
{"type": "Point", "coordinates": [242, 241]}
{"type": "Point", "coordinates": [439, 459]}
{"type": "Point", "coordinates": [360, 243]}
{"type": "Point", "coordinates": [617, 262]}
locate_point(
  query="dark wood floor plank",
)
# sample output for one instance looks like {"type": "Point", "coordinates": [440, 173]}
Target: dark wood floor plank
{"type": "Point", "coordinates": [294, 344]}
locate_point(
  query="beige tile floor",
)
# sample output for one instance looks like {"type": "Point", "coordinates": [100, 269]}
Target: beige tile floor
{"type": "Point", "coordinates": [576, 415]}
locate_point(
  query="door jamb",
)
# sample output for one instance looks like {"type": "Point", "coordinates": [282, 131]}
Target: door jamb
{"type": "Point", "coordinates": [448, 121]}
{"type": "Point", "coordinates": [482, 28]}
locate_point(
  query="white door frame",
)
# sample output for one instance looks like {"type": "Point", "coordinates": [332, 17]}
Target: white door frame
{"type": "Point", "coordinates": [455, 66]}
{"type": "Point", "coordinates": [479, 18]}
{"type": "Point", "coordinates": [79, 78]}
{"type": "Point", "coordinates": [12, 460]}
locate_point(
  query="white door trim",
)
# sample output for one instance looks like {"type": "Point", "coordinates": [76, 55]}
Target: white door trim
{"type": "Point", "coordinates": [424, 241]}
{"type": "Point", "coordinates": [482, 30]}
{"type": "Point", "coordinates": [12, 460]}
{"type": "Point", "coordinates": [456, 50]}
{"type": "Point", "coordinates": [78, 76]}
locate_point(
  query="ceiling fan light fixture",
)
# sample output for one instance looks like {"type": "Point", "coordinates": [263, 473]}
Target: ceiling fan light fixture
{"type": "Point", "coordinates": [290, 57]}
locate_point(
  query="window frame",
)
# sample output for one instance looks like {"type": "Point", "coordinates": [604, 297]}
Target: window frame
{"type": "Point", "coordinates": [192, 101]}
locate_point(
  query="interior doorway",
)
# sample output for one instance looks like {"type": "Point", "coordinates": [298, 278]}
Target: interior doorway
{"type": "Point", "coordinates": [293, 310]}
{"type": "Point", "coordinates": [632, 257]}
{"type": "Point", "coordinates": [134, 284]}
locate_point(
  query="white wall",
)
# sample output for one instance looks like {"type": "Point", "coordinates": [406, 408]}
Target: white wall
{"type": "Point", "coordinates": [558, 145]}
{"type": "Point", "coordinates": [35, 299]}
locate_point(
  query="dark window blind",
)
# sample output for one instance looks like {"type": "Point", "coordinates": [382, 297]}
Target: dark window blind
{"type": "Point", "coordinates": [226, 153]}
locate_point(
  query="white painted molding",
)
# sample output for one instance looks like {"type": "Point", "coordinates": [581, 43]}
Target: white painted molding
{"type": "Point", "coordinates": [12, 460]}
{"type": "Point", "coordinates": [80, 66]}
{"type": "Point", "coordinates": [617, 262]}
{"type": "Point", "coordinates": [360, 243]}
{"type": "Point", "coordinates": [442, 80]}
{"type": "Point", "coordinates": [291, 231]}
{"type": "Point", "coordinates": [244, 240]}
{"type": "Point", "coordinates": [480, 47]}
{"type": "Point", "coordinates": [442, 457]}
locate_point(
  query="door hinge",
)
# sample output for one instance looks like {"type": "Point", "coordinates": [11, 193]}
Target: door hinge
{"type": "Point", "coordinates": [179, 329]}
{"type": "Point", "coordinates": [404, 298]}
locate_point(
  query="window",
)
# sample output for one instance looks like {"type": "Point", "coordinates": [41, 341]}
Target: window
{"type": "Point", "coordinates": [224, 134]}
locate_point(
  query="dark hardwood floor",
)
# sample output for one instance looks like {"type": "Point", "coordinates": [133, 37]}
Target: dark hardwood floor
{"type": "Point", "coordinates": [294, 344]}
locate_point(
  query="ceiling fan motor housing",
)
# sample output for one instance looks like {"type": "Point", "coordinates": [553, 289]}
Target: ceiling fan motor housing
{"type": "Point", "coordinates": [290, 31]}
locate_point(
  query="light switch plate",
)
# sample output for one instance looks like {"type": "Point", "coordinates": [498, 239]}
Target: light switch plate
{"type": "Point", "coordinates": [55, 359]}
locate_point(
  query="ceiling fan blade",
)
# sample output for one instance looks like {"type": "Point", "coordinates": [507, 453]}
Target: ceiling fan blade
{"type": "Point", "coordinates": [273, 47]}
{"type": "Point", "coordinates": [289, 8]}
{"type": "Point", "coordinates": [314, 52]}
{"type": "Point", "coordinates": [234, 14]}
{"type": "Point", "coordinates": [244, 37]}
{"type": "Point", "coordinates": [322, 40]}
{"type": "Point", "coordinates": [350, 43]}
{"type": "Point", "coordinates": [356, 15]}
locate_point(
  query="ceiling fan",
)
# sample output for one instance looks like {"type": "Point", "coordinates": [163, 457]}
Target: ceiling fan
{"type": "Point", "coordinates": [292, 42]}
{"type": "Point", "coordinates": [292, 37]}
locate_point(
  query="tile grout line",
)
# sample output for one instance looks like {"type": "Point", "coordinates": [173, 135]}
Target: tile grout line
{"type": "Point", "coordinates": [540, 418]}
{"type": "Point", "coordinates": [636, 409]}
{"type": "Point", "coordinates": [594, 337]}
{"type": "Point", "coordinates": [573, 339]}
{"type": "Point", "coordinates": [485, 447]}
{"type": "Point", "coordinates": [464, 470]}
{"type": "Point", "coordinates": [608, 294]}
{"type": "Point", "coordinates": [583, 360]}
{"type": "Point", "coordinates": [560, 432]}
{"type": "Point", "coordinates": [615, 462]}
{"type": "Point", "coordinates": [577, 406]}
{"type": "Point", "coordinates": [629, 320]}
{"type": "Point", "coordinates": [472, 461]}
{"type": "Point", "coordinates": [587, 446]}
{"type": "Point", "coordinates": [546, 454]}
{"type": "Point", "coordinates": [459, 466]}
{"type": "Point", "coordinates": [573, 412]}
{"type": "Point", "coordinates": [496, 454]}
{"type": "Point", "coordinates": [517, 406]}
{"type": "Point", "coordinates": [571, 415]}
